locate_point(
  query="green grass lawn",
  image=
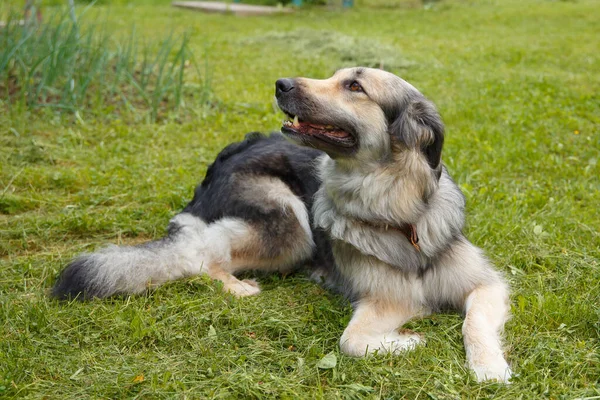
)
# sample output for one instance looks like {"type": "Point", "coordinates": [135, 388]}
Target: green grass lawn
{"type": "Point", "coordinates": [518, 85]}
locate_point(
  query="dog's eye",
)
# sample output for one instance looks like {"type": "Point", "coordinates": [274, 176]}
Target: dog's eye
{"type": "Point", "coordinates": [355, 87]}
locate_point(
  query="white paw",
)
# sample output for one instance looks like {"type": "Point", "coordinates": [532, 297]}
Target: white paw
{"type": "Point", "coordinates": [247, 287]}
{"type": "Point", "coordinates": [498, 370]}
{"type": "Point", "coordinates": [399, 342]}
{"type": "Point", "coordinates": [391, 343]}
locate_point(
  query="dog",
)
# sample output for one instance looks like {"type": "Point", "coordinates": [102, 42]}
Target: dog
{"type": "Point", "coordinates": [365, 204]}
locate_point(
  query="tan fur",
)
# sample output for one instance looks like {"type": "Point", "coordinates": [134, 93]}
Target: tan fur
{"type": "Point", "coordinates": [274, 194]}
{"type": "Point", "coordinates": [237, 246]}
{"type": "Point", "coordinates": [486, 312]}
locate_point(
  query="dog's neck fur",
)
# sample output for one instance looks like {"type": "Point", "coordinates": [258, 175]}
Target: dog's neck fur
{"type": "Point", "coordinates": [380, 194]}
{"type": "Point", "coordinates": [379, 191]}
{"type": "Point", "coordinates": [384, 195]}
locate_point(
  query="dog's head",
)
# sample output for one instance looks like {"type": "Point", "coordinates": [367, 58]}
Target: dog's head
{"type": "Point", "coordinates": [361, 114]}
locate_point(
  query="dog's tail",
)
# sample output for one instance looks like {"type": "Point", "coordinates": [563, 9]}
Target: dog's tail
{"type": "Point", "coordinates": [132, 269]}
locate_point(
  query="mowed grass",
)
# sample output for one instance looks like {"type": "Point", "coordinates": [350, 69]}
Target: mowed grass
{"type": "Point", "coordinates": [518, 85]}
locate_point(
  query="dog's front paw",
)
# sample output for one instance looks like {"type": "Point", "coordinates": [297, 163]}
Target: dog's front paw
{"type": "Point", "coordinates": [400, 342]}
{"type": "Point", "coordinates": [497, 370]}
{"type": "Point", "coordinates": [391, 343]}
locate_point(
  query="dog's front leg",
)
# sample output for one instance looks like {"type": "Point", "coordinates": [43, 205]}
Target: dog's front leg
{"type": "Point", "coordinates": [374, 329]}
{"type": "Point", "coordinates": [486, 310]}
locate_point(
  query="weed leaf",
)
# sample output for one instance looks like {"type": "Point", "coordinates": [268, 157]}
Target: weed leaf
{"type": "Point", "coordinates": [212, 333]}
{"type": "Point", "coordinates": [328, 361]}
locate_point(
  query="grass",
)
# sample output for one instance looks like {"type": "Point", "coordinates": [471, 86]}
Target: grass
{"type": "Point", "coordinates": [75, 66]}
{"type": "Point", "coordinates": [517, 84]}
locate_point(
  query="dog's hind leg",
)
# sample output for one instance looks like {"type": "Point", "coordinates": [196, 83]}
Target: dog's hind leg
{"type": "Point", "coordinates": [233, 285]}
{"type": "Point", "coordinates": [278, 241]}
{"type": "Point", "coordinates": [227, 246]}
{"type": "Point", "coordinates": [374, 329]}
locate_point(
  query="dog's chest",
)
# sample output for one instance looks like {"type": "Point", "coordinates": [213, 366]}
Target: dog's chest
{"type": "Point", "coordinates": [368, 276]}
{"type": "Point", "coordinates": [388, 246]}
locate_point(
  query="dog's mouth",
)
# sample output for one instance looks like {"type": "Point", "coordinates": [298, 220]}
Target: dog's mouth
{"type": "Point", "coordinates": [325, 132]}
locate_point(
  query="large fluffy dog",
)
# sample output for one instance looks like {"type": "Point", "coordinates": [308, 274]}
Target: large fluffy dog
{"type": "Point", "coordinates": [366, 203]}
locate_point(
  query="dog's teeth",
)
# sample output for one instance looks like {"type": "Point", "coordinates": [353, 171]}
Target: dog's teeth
{"type": "Point", "coordinates": [328, 126]}
{"type": "Point", "coordinates": [296, 123]}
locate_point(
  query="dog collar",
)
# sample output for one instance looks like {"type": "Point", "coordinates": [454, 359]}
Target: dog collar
{"type": "Point", "coordinates": [408, 230]}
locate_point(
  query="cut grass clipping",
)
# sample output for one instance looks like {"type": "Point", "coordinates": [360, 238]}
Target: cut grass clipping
{"type": "Point", "coordinates": [72, 66]}
{"type": "Point", "coordinates": [349, 51]}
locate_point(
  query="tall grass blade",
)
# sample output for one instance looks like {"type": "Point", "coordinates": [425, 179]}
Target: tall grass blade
{"type": "Point", "coordinates": [68, 63]}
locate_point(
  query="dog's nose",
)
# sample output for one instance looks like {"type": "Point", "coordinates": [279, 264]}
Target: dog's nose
{"type": "Point", "coordinates": [283, 85]}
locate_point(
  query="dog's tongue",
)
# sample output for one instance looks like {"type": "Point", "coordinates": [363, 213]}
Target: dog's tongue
{"type": "Point", "coordinates": [310, 128]}
{"type": "Point", "coordinates": [318, 129]}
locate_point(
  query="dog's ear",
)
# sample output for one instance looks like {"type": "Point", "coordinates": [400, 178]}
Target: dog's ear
{"type": "Point", "coordinates": [419, 126]}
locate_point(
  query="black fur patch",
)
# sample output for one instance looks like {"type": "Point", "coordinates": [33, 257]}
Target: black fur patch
{"type": "Point", "coordinates": [273, 156]}
{"type": "Point", "coordinates": [74, 282]}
